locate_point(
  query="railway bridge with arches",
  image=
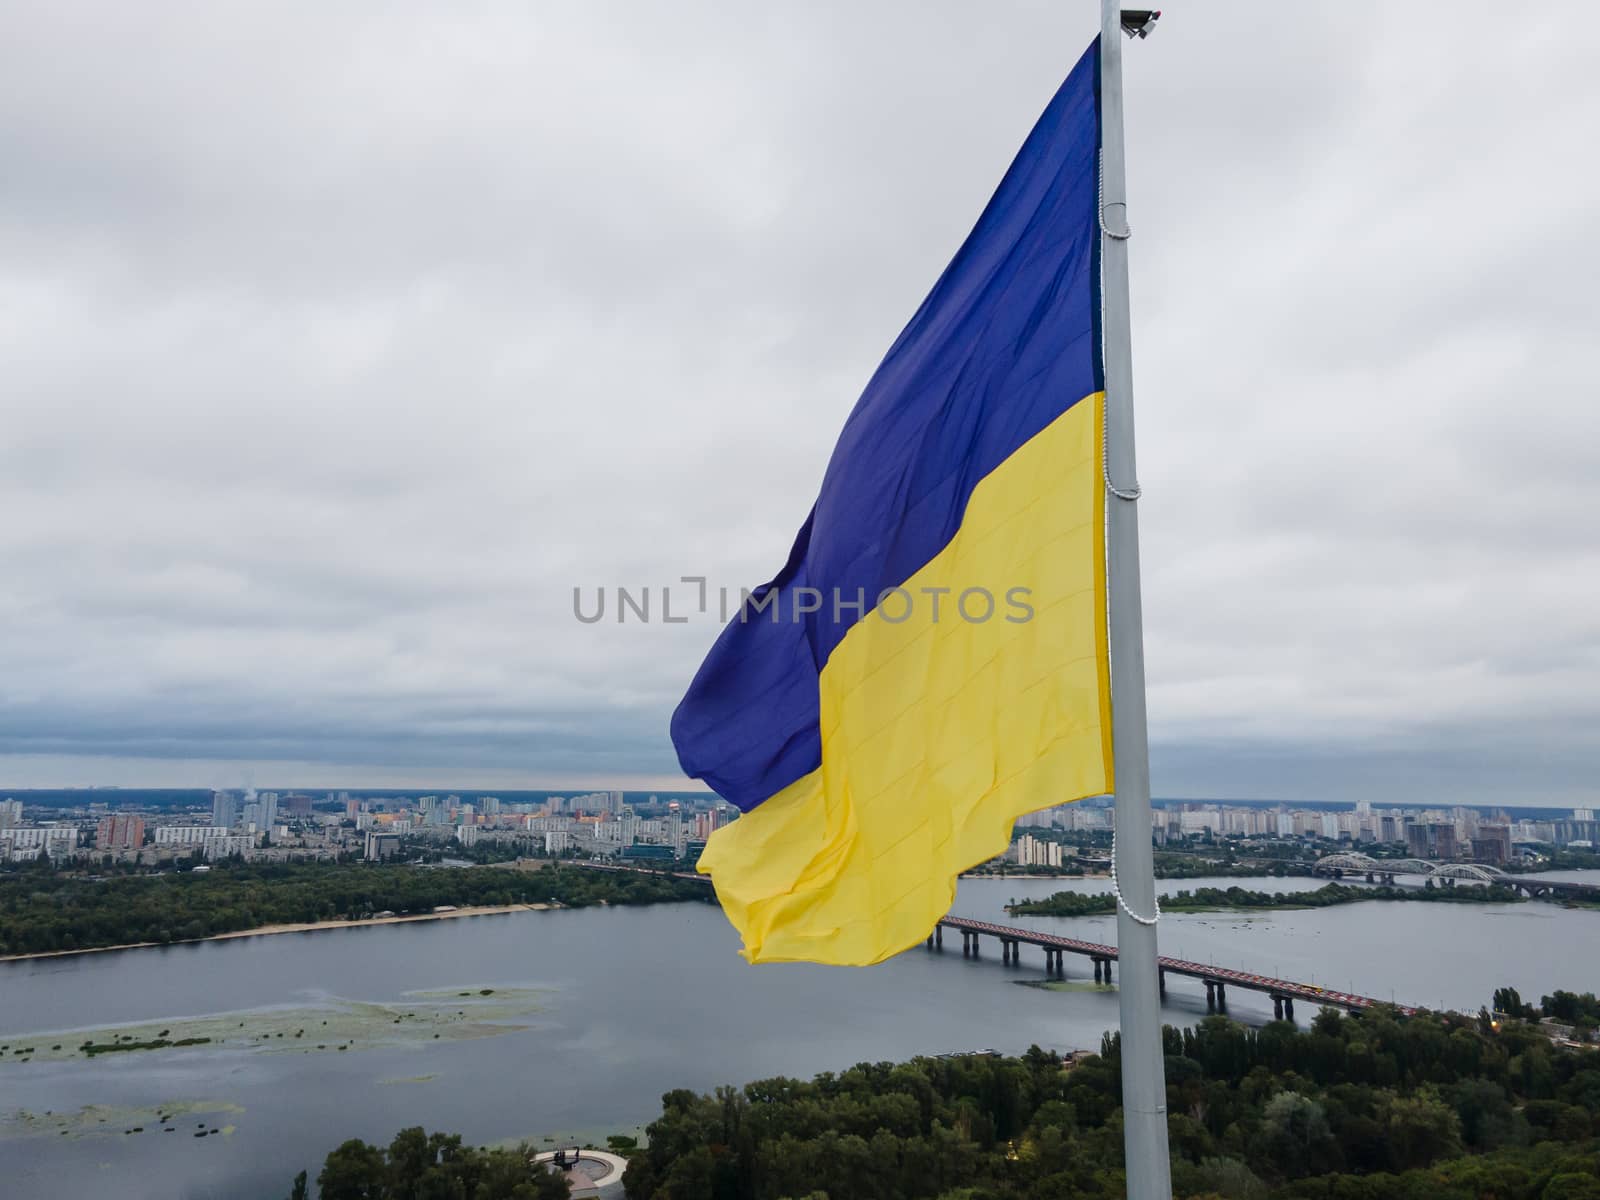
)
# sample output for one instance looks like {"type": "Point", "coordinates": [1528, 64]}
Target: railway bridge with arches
{"type": "Point", "coordinates": [1384, 870]}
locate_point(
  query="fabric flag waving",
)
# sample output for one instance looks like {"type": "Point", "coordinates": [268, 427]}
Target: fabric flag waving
{"type": "Point", "coordinates": [930, 664]}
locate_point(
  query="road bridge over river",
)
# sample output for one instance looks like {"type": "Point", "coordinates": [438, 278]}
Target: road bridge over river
{"type": "Point", "coordinates": [1217, 980]}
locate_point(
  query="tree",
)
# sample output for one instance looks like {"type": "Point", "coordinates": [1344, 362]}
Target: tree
{"type": "Point", "coordinates": [1422, 1129]}
{"type": "Point", "coordinates": [1295, 1136]}
{"type": "Point", "coordinates": [354, 1171]}
{"type": "Point", "coordinates": [1569, 1185]}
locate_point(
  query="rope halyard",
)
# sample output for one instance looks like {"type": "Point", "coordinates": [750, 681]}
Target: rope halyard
{"type": "Point", "coordinates": [1100, 205]}
{"type": "Point", "coordinates": [1117, 891]}
{"type": "Point", "coordinates": [1129, 494]}
{"type": "Point", "coordinates": [1135, 491]}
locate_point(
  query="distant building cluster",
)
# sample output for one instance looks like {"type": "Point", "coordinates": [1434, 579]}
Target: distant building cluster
{"type": "Point", "coordinates": [269, 826]}
{"type": "Point", "coordinates": [590, 825]}
{"type": "Point", "coordinates": [1029, 851]}
{"type": "Point", "coordinates": [265, 826]}
{"type": "Point", "coordinates": [243, 824]}
{"type": "Point", "coordinates": [1457, 834]}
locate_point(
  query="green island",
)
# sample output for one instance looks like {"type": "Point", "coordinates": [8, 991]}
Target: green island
{"type": "Point", "coordinates": [1370, 1107]}
{"type": "Point", "coordinates": [1077, 904]}
{"type": "Point", "coordinates": [43, 910]}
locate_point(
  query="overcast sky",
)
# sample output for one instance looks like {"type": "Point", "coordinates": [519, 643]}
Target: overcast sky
{"type": "Point", "coordinates": [339, 343]}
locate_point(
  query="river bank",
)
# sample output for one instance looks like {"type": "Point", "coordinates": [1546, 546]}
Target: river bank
{"type": "Point", "coordinates": [476, 910]}
{"type": "Point", "coordinates": [1237, 899]}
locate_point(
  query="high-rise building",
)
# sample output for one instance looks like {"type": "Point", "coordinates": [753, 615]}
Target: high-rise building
{"type": "Point", "coordinates": [224, 810]}
{"type": "Point", "coordinates": [1034, 852]}
{"type": "Point", "coordinates": [1492, 844]}
{"type": "Point", "coordinates": [1444, 841]}
{"type": "Point", "coordinates": [1433, 839]}
{"type": "Point", "coordinates": [10, 813]}
{"type": "Point", "coordinates": [119, 831]}
{"type": "Point", "coordinates": [186, 835]}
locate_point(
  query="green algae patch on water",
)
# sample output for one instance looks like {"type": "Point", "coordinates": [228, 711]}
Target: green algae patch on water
{"type": "Point", "coordinates": [328, 1026]}
{"type": "Point", "coordinates": [1063, 985]}
{"type": "Point", "coordinates": [94, 1120]}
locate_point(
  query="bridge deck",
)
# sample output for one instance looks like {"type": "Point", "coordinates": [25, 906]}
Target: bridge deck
{"type": "Point", "coordinates": [1177, 966]}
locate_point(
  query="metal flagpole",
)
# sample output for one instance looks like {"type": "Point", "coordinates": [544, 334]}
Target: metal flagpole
{"type": "Point", "coordinates": [1144, 1090]}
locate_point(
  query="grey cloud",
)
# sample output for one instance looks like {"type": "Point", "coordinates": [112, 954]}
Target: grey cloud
{"type": "Point", "coordinates": [338, 345]}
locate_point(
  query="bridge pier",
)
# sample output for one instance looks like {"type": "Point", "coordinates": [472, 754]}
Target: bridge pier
{"type": "Point", "coordinates": [1097, 970]}
{"type": "Point", "coordinates": [1288, 1009]}
{"type": "Point", "coordinates": [1222, 998]}
{"type": "Point", "coordinates": [1211, 996]}
{"type": "Point", "coordinates": [1108, 970]}
{"type": "Point", "coordinates": [1162, 979]}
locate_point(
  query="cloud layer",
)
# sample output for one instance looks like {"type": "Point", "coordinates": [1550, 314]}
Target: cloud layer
{"type": "Point", "coordinates": [338, 345]}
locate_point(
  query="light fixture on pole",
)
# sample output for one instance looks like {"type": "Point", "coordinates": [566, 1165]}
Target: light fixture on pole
{"type": "Point", "coordinates": [1140, 22]}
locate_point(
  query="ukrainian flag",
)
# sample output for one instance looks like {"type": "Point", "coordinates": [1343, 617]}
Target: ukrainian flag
{"type": "Point", "coordinates": [880, 733]}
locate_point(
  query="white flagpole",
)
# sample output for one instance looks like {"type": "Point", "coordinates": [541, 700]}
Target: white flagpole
{"type": "Point", "coordinates": [1144, 1091]}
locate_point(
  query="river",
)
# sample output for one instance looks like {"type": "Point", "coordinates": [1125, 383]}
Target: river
{"type": "Point", "coordinates": [592, 1014]}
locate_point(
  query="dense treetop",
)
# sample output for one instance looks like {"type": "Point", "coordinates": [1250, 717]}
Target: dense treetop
{"type": "Point", "coordinates": [1374, 1107]}
{"type": "Point", "coordinates": [41, 910]}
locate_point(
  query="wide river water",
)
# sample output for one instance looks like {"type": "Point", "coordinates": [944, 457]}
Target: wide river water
{"type": "Point", "coordinates": [593, 1014]}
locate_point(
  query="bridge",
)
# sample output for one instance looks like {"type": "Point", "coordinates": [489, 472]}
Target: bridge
{"type": "Point", "coordinates": [1384, 870]}
{"type": "Point", "coordinates": [1284, 992]}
